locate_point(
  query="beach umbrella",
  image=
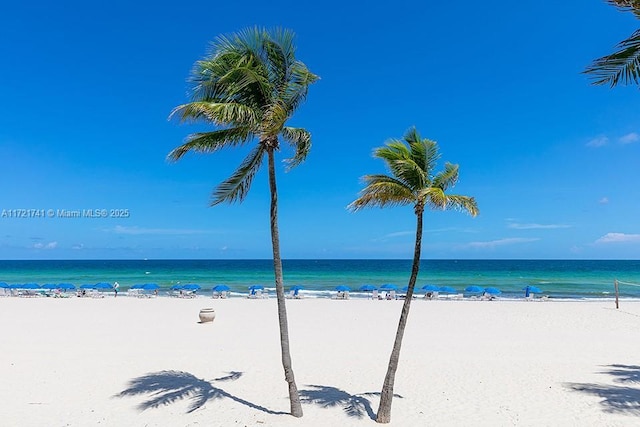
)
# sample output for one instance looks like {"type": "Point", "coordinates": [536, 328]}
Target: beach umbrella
{"type": "Point", "coordinates": [343, 288]}
{"type": "Point", "coordinates": [532, 289]}
{"type": "Point", "coordinates": [102, 285]}
{"type": "Point", "coordinates": [49, 286]}
{"type": "Point", "coordinates": [388, 287]}
{"type": "Point", "coordinates": [150, 286]}
{"type": "Point", "coordinates": [191, 287]}
{"type": "Point", "coordinates": [405, 288]}
{"type": "Point", "coordinates": [173, 288]}
{"type": "Point", "coordinates": [447, 290]}
{"type": "Point", "coordinates": [431, 288]}
{"type": "Point", "coordinates": [493, 291]}
{"type": "Point", "coordinates": [220, 288]}
{"type": "Point", "coordinates": [367, 288]}
{"type": "Point", "coordinates": [256, 287]}
{"type": "Point", "coordinates": [87, 286]}
{"type": "Point", "coordinates": [30, 286]}
{"type": "Point", "coordinates": [474, 289]}
{"type": "Point", "coordinates": [137, 286]}
{"type": "Point", "coordinates": [4, 285]}
{"type": "Point", "coordinates": [66, 286]}
{"type": "Point", "coordinates": [297, 288]}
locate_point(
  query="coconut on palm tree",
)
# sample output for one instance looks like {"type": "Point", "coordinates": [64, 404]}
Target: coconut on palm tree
{"type": "Point", "coordinates": [412, 181]}
{"type": "Point", "coordinates": [622, 66]}
{"type": "Point", "coordinates": [248, 87]}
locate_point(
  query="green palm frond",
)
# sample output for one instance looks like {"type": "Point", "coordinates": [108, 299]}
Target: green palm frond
{"type": "Point", "coordinates": [300, 140]}
{"type": "Point", "coordinates": [228, 113]}
{"type": "Point", "coordinates": [463, 203]}
{"type": "Point", "coordinates": [447, 178]}
{"type": "Point", "coordinates": [622, 66]}
{"type": "Point", "coordinates": [236, 187]}
{"type": "Point", "coordinates": [381, 191]}
{"type": "Point", "coordinates": [209, 142]}
{"type": "Point", "coordinates": [632, 6]}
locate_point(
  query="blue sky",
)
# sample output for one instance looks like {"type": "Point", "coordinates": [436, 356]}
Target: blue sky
{"type": "Point", "coordinates": [553, 161]}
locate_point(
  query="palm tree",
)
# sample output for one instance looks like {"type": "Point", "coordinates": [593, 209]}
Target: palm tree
{"type": "Point", "coordinates": [412, 182]}
{"type": "Point", "coordinates": [248, 87]}
{"type": "Point", "coordinates": [622, 66]}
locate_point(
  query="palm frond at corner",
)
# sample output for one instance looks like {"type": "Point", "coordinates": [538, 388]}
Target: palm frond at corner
{"type": "Point", "coordinates": [621, 67]}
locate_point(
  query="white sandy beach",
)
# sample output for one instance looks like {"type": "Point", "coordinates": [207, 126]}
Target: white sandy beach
{"type": "Point", "coordinates": [149, 362]}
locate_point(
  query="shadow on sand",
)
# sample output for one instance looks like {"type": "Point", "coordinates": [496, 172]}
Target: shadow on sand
{"type": "Point", "coordinates": [616, 399]}
{"type": "Point", "coordinates": [354, 405]}
{"type": "Point", "coordinates": [168, 387]}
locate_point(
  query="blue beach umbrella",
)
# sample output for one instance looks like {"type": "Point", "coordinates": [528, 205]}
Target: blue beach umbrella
{"type": "Point", "coordinates": [388, 287]}
{"type": "Point", "coordinates": [297, 288]}
{"type": "Point", "coordinates": [102, 285]}
{"type": "Point", "coordinates": [447, 290]}
{"type": "Point", "coordinates": [49, 286]}
{"type": "Point", "coordinates": [30, 286]}
{"type": "Point", "coordinates": [431, 288]}
{"type": "Point", "coordinates": [137, 286]}
{"type": "Point", "coordinates": [220, 288]}
{"type": "Point", "coordinates": [343, 288]}
{"type": "Point", "coordinates": [405, 288]}
{"type": "Point", "coordinates": [191, 287]}
{"type": "Point", "coordinates": [367, 288]}
{"type": "Point", "coordinates": [4, 285]}
{"type": "Point", "coordinates": [173, 288]}
{"type": "Point", "coordinates": [150, 286]}
{"type": "Point", "coordinates": [256, 287]}
{"type": "Point", "coordinates": [87, 286]}
{"type": "Point", "coordinates": [532, 289]}
{"type": "Point", "coordinates": [493, 291]}
{"type": "Point", "coordinates": [66, 286]}
{"type": "Point", "coordinates": [474, 289]}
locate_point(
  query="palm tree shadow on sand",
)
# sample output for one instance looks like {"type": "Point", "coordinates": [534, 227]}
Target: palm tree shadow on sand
{"type": "Point", "coordinates": [616, 399]}
{"type": "Point", "coordinates": [168, 387]}
{"type": "Point", "coordinates": [354, 405]}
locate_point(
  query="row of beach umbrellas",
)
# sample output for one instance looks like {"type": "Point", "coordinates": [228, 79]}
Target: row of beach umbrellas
{"type": "Point", "coordinates": [441, 289]}
{"type": "Point", "coordinates": [223, 288]}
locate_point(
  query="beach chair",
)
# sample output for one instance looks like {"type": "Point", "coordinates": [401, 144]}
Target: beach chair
{"type": "Point", "coordinates": [374, 294]}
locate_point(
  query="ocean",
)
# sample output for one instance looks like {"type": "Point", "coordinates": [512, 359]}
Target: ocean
{"type": "Point", "coordinates": [562, 279]}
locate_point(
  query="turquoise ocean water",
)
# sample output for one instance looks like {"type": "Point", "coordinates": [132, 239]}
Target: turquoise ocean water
{"type": "Point", "coordinates": [576, 279]}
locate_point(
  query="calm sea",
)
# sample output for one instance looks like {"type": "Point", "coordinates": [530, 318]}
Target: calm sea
{"type": "Point", "coordinates": [556, 278]}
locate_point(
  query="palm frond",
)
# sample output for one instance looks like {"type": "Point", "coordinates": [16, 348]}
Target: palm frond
{"type": "Point", "coordinates": [228, 113]}
{"type": "Point", "coordinates": [209, 142]}
{"type": "Point", "coordinates": [236, 187]}
{"type": "Point", "coordinates": [300, 140]}
{"type": "Point", "coordinates": [632, 6]}
{"type": "Point", "coordinates": [447, 178]}
{"type": "Point", "coordinates": [381, 191]}
{"type": "Point", "coordinates": [622, 66]}
{"type": "Point", "coordinates": [463, 203]}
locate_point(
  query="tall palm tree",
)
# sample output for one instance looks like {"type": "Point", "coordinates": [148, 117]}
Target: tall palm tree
{"type": "Point", "coordinates": [622, 66]}
{"type": "Point", "coordinates": [248, 87]}
{"type": "Point", "coordinates": [412, 182]}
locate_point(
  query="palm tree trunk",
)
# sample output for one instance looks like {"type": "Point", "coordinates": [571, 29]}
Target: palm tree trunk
{"type": "Point", "coordinates": [294, 397]}
{"type": "Point", "coordinates": [386, 396]}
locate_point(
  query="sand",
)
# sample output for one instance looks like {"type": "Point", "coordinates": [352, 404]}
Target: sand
{"type": "Point", "coordinates": [149, 362]}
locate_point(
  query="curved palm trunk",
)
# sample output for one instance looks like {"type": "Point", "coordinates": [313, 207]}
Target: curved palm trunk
{"type": "Point", "coordinates": [294, 397]}
{"type": "Point", "coordinates": [386, 396]}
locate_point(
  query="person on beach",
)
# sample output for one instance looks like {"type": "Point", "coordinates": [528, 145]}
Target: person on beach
{"type": "Point", "coordinates": [116, 285]}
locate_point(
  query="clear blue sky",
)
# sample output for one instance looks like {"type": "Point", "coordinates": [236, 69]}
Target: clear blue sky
{"type": "Point", "coordinates": [553, 161]}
